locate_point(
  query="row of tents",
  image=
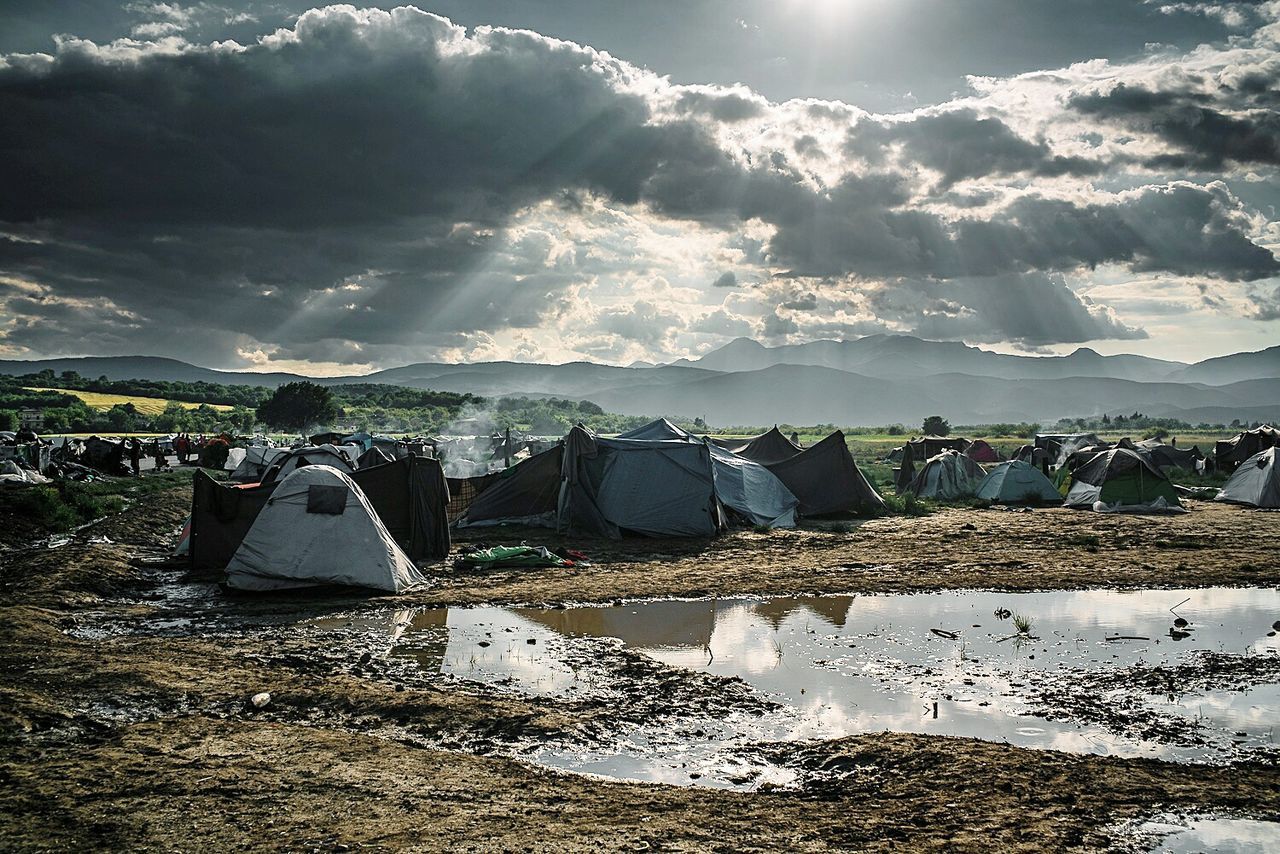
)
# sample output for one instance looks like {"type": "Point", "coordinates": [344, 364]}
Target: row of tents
{"type": "Point", "coordinates": [1115, 479]}
{"type": "Point", "coordinates": [660, 480]}
{"type": "Point", "coordinates": [315, 516]}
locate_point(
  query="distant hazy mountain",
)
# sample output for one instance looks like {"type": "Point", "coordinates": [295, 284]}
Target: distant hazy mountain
{"type": "Point", "coordinates": [1233, 368]}
{"type": "Point", "coordinates": [907, 356]}
{"type": "Point", "coordinates": [495, 379]}
{"type": "Point", "coordinates": [880, 379]}
{"type": "Point", "coordinates": [144, 368]}
{"type": "Point", "coordinates": [802, 394]}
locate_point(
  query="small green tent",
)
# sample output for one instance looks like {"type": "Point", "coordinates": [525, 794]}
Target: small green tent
{"type": "Point", "coordinates": [1017, 482]}
{"type": "Point", "coordinates": [1120, 479]}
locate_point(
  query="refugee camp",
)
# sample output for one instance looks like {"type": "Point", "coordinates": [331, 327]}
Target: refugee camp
{"type": "Point", "coordinates": [801, 425]}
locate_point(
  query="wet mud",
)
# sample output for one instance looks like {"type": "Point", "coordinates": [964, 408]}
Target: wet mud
{"type": "Point", "coordinates": [126, 718]}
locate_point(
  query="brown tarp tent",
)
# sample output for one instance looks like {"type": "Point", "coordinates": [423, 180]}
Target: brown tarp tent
{"type": "Point", "coordinates": [981, 452]}
{"type": "Point", "coordinates": [826, 480]}
{"type": "Point", "coordinates": [524, 494]}
{"type": "Point", "coordinates": [409, 496]}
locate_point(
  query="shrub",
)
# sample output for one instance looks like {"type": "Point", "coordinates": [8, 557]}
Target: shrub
{"type": "Point", "coordinates": [907, 505]}
{"type": "Point", "coordinates": [44, 504]}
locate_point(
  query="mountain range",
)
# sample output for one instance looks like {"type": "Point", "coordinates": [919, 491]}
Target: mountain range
{"type": "Point", "coordinates": [878, 379]}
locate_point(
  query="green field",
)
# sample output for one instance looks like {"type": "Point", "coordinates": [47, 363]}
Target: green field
{"type": "Point", "coordinates": [145, 405]}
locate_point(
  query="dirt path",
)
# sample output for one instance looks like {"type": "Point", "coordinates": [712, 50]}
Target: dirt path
{"type": "Point", "coordinates": [114, 740]}
{"type": "Point", "coordinates": [966, 548]}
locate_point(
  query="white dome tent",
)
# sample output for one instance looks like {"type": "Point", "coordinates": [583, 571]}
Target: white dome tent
{"type": "Point", "coordinates": [1255, 482]}
{"type": "Point", "coordinates": [319, 528]}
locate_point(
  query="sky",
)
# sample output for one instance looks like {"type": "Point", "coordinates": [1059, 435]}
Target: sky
{"type": "Point", "coordinates": [333, 190]}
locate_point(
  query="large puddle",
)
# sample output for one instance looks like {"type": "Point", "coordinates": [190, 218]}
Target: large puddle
{"type": "Point", "coordinates": [1102, 672]}
{"type": "Point", "coordinates": [1194, 834]}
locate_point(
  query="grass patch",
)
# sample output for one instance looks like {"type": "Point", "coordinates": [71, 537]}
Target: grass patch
{"type": "Point", "coordinates": [144, 405]}
{"type": "Point", "coordinates": [908, 505]}
{"type": "Point", "coordinates": [1190, 478]}
{"type": "Point", "coordinates": [60, 507]}
{"type": "Point", "coordinates": [1088, 542]}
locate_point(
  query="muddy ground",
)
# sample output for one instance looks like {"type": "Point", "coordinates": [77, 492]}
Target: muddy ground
{"type": "Point", "coordinates": [124, 726]}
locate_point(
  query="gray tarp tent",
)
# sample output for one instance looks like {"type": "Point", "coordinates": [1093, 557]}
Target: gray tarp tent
{"type": "Point", "coordinates": [827, 481]}
{"type": "Point", "coordinates": [929, 446]}
{"type": "Point", "coordinates": [1168, 456]}
{"type": "Point", "coordinates": [527, 493]}
{"type": "Point", "coordinates": [1059, 445]}
{"type": "Point", "coordinates": [374, 457]}
{"type": "Point", "coordinates": [659, 487]}
{"type": "Point", "coordinates": [319, 528]}
{"type": "Point", "coordinates": [1255, 482]}
{"type": "Point", "coordinates": [947, 476]}
{"type": "Point", "coordinates": [742, 485]}
{"type": "Point", "coordinates": [657, 430]}
{"type": "Point", "coordinates": [330, 455]}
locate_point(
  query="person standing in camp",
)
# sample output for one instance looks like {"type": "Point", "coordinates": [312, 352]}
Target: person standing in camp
{"type": "Point", "coordinates": [180, 447]}
{"type": "Point", "coordinates": [135, 456]}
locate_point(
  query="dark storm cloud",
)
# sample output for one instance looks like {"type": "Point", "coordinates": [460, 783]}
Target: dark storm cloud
{"type": "Point", "coordinates": [1032, 309]}
{"type": "Point", "coordinates": [1180, 228]}
{"type": "Point", "coordinates": [344, 190]}
{"type": "Point", "coordinates": [344, 123]}
{"type": "Point", "coordinates": [726, 279]}
{"type": "Point", "coordinates": [1200, 131]}
{"type": "Point", "coordinates": [961, 144]}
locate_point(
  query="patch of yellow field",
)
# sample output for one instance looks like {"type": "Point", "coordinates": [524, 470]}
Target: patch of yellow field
{"type": "Point", "coordinates": [145, 405]}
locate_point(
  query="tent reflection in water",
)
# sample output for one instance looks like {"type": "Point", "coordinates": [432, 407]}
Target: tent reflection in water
{"type": "Point", "coordinates": [1255, 483]}
{"type": "Point", "coordinates": [318, 528]}
{"type": "Point", "coordinates": [658, 625]}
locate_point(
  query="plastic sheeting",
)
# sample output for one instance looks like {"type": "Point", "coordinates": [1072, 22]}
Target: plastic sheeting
{"type": "Point", "coordinates": [662, 488]}
{"type": "Point", "coordinates": [289, 546]}
{"type": "Point", "coordinates": [752, 491]}
{"type": "Point", "coordinates": [740, 484]}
